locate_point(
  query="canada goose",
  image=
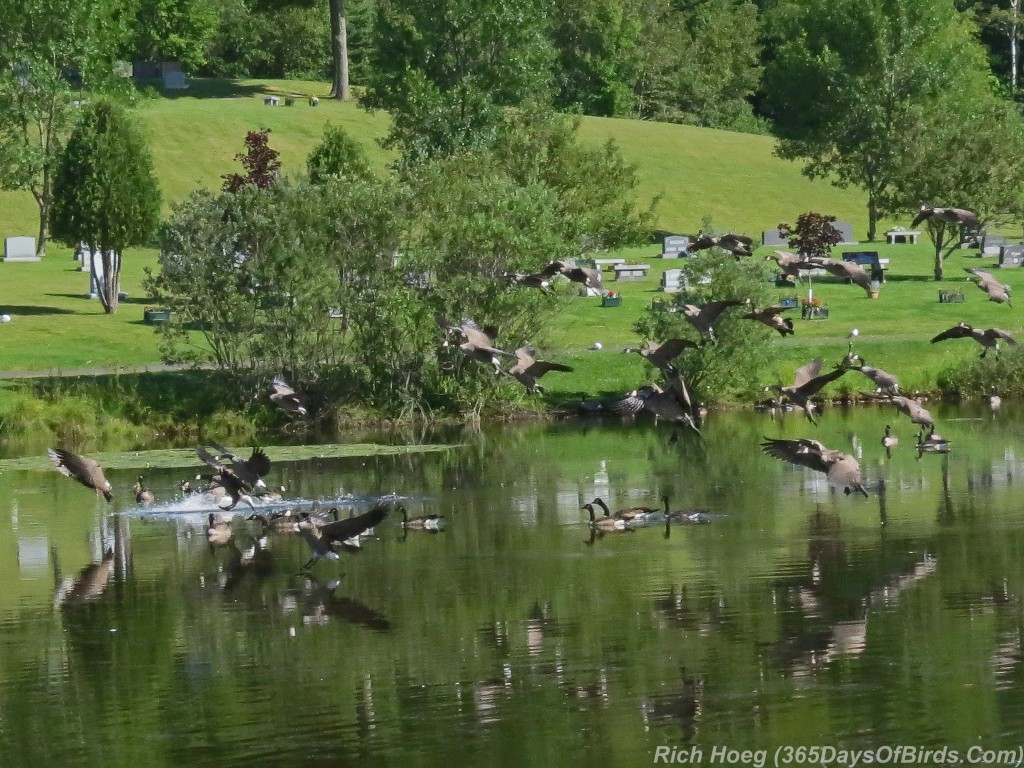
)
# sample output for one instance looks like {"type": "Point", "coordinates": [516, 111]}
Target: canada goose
{"type": "Point", "coordinates": [143, 495]}
{"type": "Point", "coordinates": [231, 489]}
{"type": "Point", "coordinates": [591, 278]}
{"type": "Point", "coordinates": [807, 382]}
{"type": "Point", "coordinates": [284, 522]}
{"type": "Point", "coordinates": [605, 523]}
{"type": "Point", "coordinates": [689, 517]}
{"type": "Point", "coordinates": [846, 269]}
{"type": "Point", "coordinates": [538, 281]}
{"type": "Point", "coordinates": [886, 383]}
{"type": "Point", "coordinates": [286, 398]}
{"type": "Point", "coordinates": [249, 471]}
{"type": "Point", "coordinates": [960, 216]}
{"type": "Point", "coordinates": [662, 355]}
{"type": "Point", "coordinates": [841, 469]}
{"type": "Point", "coordinates": [218, 533]}
{"type": "Point", "coordinates": [322, 538]}
{"type": "Point", "coordinates": [429, 523]}
{"type": "Point", "coordinates": [790, 264]}
{"type": "Point", "coordinates": [673, 404]}
{"type": "Point", "coordinates": [997, 292]}
{"type": "Point", "coordinates": [478, 343]}
{"type": "Point", "coordinates": [770, 316]}
{"type": "Point", "coordinates": [913, 408]}
{"type": "Point", "coordinates": [633, 514]}
{"type": "Point", "coordinates": [989, 338]}
{"type": "Point", "coordinates": [703, 317]}
{"type": "Point", "coordinates": [270, 495]}
{"type": "Point", "coordinates": [889, 440]}
{"type": "Point", "coordinates": [90, 583]}
{"type": "Point", "coordinates": [931, 443]}
{"type": "Point", "coordinates": [737, 245]}
{"type": "Point", "coordinates": [83, 469]}
{"type": "Point", "coordinates": [528, 369]}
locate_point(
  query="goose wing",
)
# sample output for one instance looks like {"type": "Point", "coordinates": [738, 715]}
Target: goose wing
{"type": "Point", "coordinates": [997, 333]}
{"type": "Point", "coordinates": [807, 372]}
{"type": "Point", "coordinates": [540, 367]}
{"type": "Point", "coordinates": [844, 472]}
{"type": "Point", "coordinates": [961, 331]}
{"type": "Point", "coordinates": [341, 530]}
{"type": "Point", "coordinates": [924, 213]}
{"type": "Point", "coordinates": [671, 349]}
{"type": "Point", "coordinates": [281, 388]}
{"type": "Point", "coordinates": [803, 452]}
{"type": "Point", "coordinates": [713, 309]}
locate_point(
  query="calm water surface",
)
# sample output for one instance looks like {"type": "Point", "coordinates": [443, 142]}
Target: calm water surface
{"type": "Point", "coordinates": [796, 616]}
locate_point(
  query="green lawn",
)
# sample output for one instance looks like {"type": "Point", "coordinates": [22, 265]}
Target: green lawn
{"type": "Point", "coordinates": [732, 177]}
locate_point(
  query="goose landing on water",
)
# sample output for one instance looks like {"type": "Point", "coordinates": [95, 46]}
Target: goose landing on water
{"type": "Point", "coordinates": [841, 469]}
{"type": "Point", "coordinates": [85, 470]}
{"type": "Point", "coordinates": [143, 495]}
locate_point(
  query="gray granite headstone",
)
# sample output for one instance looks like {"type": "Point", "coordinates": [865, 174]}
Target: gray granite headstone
{"type": "Point", "coordinates": [845, 229]}
{"type": "Point", "coordinates": [20, 249]}
{"type": "Point", "coordinates": [674, 246]}
{"type": "Point", "coordinates": [175, 81]}
{"type": "Point", "coordinates": [773, 237]}
{"type": "Point", "coordinates": [1011, 256]}
{"type": "Point", "coordinates": [672, 280]}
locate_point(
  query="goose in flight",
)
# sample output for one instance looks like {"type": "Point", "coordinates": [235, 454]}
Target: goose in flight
{"type": "Point", "coordinates": [704, 316]}
{"type": "Point", "coordinates": [808, 381]}
{"type": "Point", "coordinates": [959, 216]}
{"type": "Point", "coordinates": [842, 470]}
{"type": "Point", "coordinates": [591, 278]}
{"type": "Point", "coordinates": [918, 413]}
{"type": "Point", "coordinates": [478, 343]}
{"type": "Point", "coordinates": [661, 355]}
{"type": "Point", "coordinates": [846, 269]}
{"type": "Point", "coordinates": [737, 245]}
{"type": "Point", "coordinates": [528, 369]}
{"type": "Point", "coordinates": [989, 338]}
{"type": "Point", "coordinates": [286, 398]}
{"type": "Point", "coordinates": [997, 292]}
{"type": "Point", "coordinates": [772, 317]}
{"type": "Point", "coordinates": [83, 469]}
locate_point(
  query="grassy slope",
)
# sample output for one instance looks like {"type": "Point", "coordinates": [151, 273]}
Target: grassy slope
{"type": "Point", "coordinates": [733, 177]}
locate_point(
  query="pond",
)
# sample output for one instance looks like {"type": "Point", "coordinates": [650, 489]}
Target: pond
{"type": "Point", "coordinates": [793, 616]}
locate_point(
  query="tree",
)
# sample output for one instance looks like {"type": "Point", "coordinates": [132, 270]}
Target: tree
{"type": "Point", "coordinates": [52, 53]}
{"type": "Point", "coordinates": [175, 30]}
{"type": "Point", "coordinates": [262, 167]}
{"type": "Point", "coordinates": [967, 154]}
{"type": "Point", "coordinates": [852, 75]}
{"type": "Point", "coordinates": [813, 234]}
{"type": "Point", "coordinates": [105, 192]}
{"type": "Point", "coordinates": [337, 155]}
{"type": "Point", "coordinates": [444, 68]}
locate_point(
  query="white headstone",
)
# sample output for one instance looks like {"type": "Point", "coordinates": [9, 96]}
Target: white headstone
{"type": "Point", "coordinates": [674, 246]}
{"type": "Point", "coordinates": [20, 249]}
{"type": "Point", "coordinates": [95, 274]}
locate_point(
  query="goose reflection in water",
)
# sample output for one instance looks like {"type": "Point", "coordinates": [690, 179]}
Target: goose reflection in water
{"type": "Point", "coordinates": [682, 707]}
{"type": "Point", "coordinates": [90, 583]}
{"type": "Point", "coordinates": [321, 605]}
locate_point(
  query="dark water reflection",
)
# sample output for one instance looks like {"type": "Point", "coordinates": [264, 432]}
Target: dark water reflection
{"type": "Point", "coordinates": [794, 617]}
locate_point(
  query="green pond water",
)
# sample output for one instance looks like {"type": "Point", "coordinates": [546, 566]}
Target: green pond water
{"type": "Point", "coordinates": [795, 616]}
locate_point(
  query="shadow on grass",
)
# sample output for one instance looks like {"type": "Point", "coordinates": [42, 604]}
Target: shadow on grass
{"type": "Point", "coordinates": [21, 309]}
{"type": "Point", "coordinates": [203, 88]}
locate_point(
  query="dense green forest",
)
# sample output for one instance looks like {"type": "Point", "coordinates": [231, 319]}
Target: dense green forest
{"type": "Point", "coordinates": [699, 62]}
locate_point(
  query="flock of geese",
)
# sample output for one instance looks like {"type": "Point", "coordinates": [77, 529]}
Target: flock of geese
{"type": "Point", "coordinates": [236, 479]}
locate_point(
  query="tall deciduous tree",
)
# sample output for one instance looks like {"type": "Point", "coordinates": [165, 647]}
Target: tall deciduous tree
{"type": "Point", "coordinates": [852, 75]}
{"type": "Point", "coordinates": [167, 30]}
{"type": "Point", "coordinates": [105, 193]}
{"type": "Point", "coordinates": [444, 68]}
{"type": "Point", "coordinates": [967, 154]}
{"type": "Point", "coordinates": [51, 53]}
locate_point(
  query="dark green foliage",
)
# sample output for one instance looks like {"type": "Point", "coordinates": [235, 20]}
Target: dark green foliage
{"type": "Point", "coordinates": [733, 365]}
{"type": "Point", "coordinates": [337, 155]}
{"type": "Point", "coordinates": [813, 234]}
{"type": "Point", "coordinates": [105, 191]}
{"type": "Point", "coordinates": [174, 30]}
{"type": "Point", "coordinates": [1001, 374]}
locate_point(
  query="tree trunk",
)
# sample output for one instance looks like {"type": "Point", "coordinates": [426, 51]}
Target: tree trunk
{"type": "Point", "coordinates": [1014, 8]}
{"type": "Point", "coordinates": [44, 215]}
{"type": "Point", "coordinates": [339, 51]}
{"type": "Point", "coordinates": [872, 217]}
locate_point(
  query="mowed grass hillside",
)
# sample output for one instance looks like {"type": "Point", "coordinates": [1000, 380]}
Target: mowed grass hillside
{"type": "Point", "coordinates": [732, 177]}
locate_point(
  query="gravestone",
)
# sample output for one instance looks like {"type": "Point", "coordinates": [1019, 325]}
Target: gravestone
{"type": "Point", "coordinates": [1011, 256]}
{"type": "Point", "coordinates": [674, 246]}
{"type": "Point", "coordinates": [773, 237]}
{"type": "Point", "coordinates": [672, 280]}
{"type": "Point", "coordinates": [845, 230]}
{"type": "Point", "coordinates": [991, 244]}
{"type": "Point", "coordinates": [175, 81]}
{"type": "Point", "coordinates": [20, 249]}
{"type": "Point", "coordinates": [271, 101]}
{"type": "Point", "coordinates": [95, 274]}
